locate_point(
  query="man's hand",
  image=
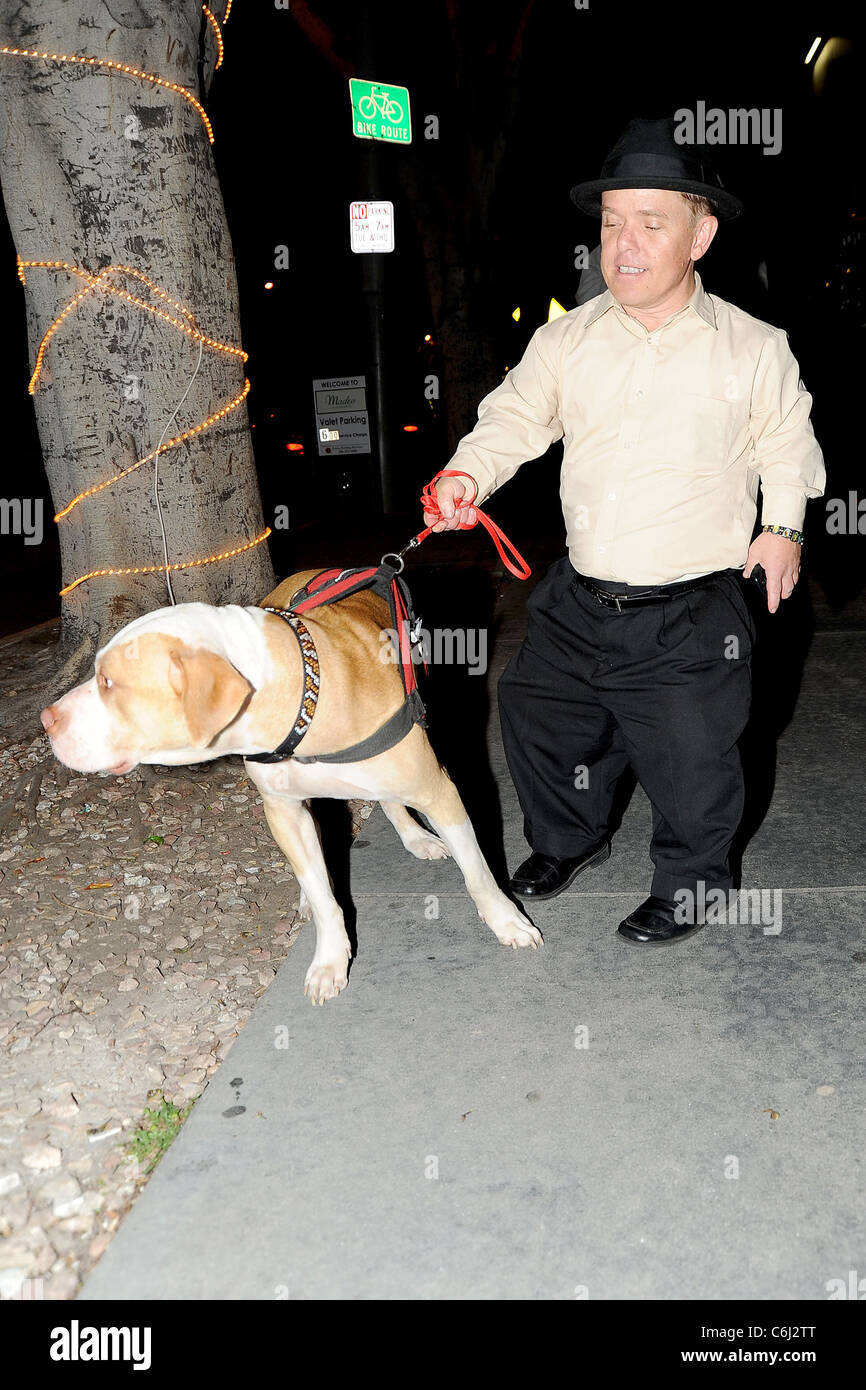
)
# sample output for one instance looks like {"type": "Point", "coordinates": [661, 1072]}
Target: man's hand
{"type": "Point", "coordinates": [781, 561]}
{"type": "Point", "coordinates": [451, 492]}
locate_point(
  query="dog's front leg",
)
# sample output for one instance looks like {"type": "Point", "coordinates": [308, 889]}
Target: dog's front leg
{"type": "Point", "coordinates": [295, 832]}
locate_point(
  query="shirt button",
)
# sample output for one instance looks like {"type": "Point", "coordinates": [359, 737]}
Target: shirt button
{"type": "Point", "coordinates": [601, 550]}
{"type": "Point", "coordinates": [650, 342]}
{"type": "Point", "coordinates": [611, 497]}
{"type": "Point", "coordinates": [638, 394]}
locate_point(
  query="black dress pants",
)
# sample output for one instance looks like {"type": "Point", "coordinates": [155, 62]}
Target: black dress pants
{"type": "Point", "coordinates": [664, 687]}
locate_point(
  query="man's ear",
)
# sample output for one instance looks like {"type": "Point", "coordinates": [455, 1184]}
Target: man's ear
{"type": "Point", "coordinates": [704, 234]}
{"type": "Point", "coordinates": [211, 691]}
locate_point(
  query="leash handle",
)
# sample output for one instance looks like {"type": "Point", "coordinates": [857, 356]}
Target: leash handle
{"type": "Point", "coordinates": [513, 560]}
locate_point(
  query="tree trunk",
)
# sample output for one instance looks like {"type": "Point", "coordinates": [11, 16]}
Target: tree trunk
{"type": "Point", "coordinates": [99, 168]}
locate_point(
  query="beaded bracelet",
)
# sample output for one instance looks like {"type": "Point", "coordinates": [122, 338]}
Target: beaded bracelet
{"type": "Point", "coordinates": [787, 531]}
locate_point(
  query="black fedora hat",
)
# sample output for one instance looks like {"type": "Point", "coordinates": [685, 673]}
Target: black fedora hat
{"type": "Point", "coordinates": [647, 155]}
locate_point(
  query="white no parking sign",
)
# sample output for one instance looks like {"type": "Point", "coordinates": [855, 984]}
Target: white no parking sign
{"type": "Point", "coordinates": [371, 226]}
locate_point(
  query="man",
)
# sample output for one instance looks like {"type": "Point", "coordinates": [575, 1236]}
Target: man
{"type": "Point", "coordinates": [672, 404]}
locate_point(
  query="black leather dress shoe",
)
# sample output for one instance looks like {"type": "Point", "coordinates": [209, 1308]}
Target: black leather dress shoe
{"type": "Point", "coordinates": [542, 876]}
{"type": "Point", "coordinates": [654, 924]}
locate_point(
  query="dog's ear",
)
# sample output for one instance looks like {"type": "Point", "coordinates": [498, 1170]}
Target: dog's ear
{"type": "Point", "coordinates": [211, 691]}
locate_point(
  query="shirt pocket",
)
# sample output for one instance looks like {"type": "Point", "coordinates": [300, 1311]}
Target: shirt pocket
{"type": "Point", "coordinates": [699, 433]}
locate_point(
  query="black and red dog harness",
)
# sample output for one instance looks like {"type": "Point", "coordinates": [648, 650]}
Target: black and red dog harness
{"type": "Point", "coordinates": [327, 587]}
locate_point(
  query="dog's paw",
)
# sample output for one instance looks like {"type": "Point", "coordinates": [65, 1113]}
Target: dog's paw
{"type": "Point", "coordinates": [511, 928]}
{"type": "Point", "coordinates": [424, 845]}
{"type": "Point", "coordinates": [325, 982]}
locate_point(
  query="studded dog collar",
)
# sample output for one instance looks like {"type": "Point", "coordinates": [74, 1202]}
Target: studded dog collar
{"type": "Point", "coordinates": [309, 694]}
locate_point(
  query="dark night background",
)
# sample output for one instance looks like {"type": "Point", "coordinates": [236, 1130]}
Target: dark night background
{"type": "Point", "coordinates": [290, 165]}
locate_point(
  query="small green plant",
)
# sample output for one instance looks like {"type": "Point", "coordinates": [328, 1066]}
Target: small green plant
{"type": "Point", "coordinates": [155, 1132]}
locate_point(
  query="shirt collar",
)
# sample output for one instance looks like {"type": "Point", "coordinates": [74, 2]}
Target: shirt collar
{"type": "Point", "coordinates": [699, 301]}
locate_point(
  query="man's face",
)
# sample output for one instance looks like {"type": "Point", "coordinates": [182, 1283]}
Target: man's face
{"type": "Point", "coordinates": [648, 245]}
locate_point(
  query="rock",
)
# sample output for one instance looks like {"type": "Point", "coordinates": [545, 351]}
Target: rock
{"type": "Point", "coordinates": [43, 1258]}
{"type": "Point", "coordinates": [19, 1252]}
{"type": "Point", "coordinates": [11, 1281]}
{"type": "Point", "coordinates": [42, 1156]}
{"type": "Point", "coordinates": [60, 1190]}
{"type": "Point", "coordinates": [70, 1208]}
{"type": "Point", "coordinates": [15, 1213]}
{"type": "Point", "coordinates": [177, 943]}
{"type": "Point", "coordinates": [64, 1109]}
{"type": "Point", "coordinates": [99, 1245]}
{"type": "Point", "coordinates": [80, 1224]}
{"type": "Point", "coordinates": [61, 1286]}
{"type": "Point", "coordinates": [127, 983]}
{"type": "Point", "coordinates": [80, 1165]}
{"type": "Point", "coordinates": [8, 1182]}
{"type": "Point", "coordinates": [92, 1002]}
{"type": "Point", "coordinates": [29, 1106]}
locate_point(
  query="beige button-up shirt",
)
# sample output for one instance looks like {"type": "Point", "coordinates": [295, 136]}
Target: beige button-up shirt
{"type": "Point", "coordinates": [667, 433]}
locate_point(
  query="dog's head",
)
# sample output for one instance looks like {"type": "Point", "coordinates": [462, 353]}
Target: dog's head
{"type": "Point", "coordinates": [162, 692]}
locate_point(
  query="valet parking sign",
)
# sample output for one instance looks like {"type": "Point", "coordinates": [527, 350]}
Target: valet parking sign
{"type": "Point", "coordinates": [342, 422]}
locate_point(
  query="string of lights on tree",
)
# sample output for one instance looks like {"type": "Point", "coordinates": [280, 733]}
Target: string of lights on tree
{"type": "Point", "coordinates": [183, 319]}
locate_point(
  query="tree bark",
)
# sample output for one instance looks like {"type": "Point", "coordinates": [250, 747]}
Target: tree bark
{"type": "Point", "coordinates": [99, 168]}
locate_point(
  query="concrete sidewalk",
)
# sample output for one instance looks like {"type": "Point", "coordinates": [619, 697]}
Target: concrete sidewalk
{"type": "Point", "coordinates": [589, 1120]}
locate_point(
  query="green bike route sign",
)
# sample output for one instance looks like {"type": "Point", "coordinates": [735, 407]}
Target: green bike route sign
{"type": "Point", "coordinates": [380, 111]}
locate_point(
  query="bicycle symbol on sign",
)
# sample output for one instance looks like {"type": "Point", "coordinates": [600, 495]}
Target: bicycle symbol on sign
{"type": "Point", "coordinates": [388, 109]}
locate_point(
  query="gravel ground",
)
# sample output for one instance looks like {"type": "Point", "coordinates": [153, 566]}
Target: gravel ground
{"type": "Point", "coordinates": [140, 919]}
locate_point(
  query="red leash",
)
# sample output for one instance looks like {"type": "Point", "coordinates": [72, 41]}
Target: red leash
{"type": "Point", "coordinates": [430, 502]}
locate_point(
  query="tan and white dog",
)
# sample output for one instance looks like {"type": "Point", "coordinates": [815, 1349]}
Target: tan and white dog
{"type": "Point", "coordinates": [192, 683]}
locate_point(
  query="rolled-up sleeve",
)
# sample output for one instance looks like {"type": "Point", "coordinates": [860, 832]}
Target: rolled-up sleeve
{"type": "Point", "coordinates": [787, 455]}
{"type": "Point", "coordinates": [517, 421]}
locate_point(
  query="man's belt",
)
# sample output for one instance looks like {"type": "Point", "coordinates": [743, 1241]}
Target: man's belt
{"type": "Point", "coordinates": [632, 596]}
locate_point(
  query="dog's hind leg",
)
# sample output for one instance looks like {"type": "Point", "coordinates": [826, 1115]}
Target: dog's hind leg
{"type": "Point", "coordinates": [415, 838]}
{"type": "Point", "coordinates": [442, 806]}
